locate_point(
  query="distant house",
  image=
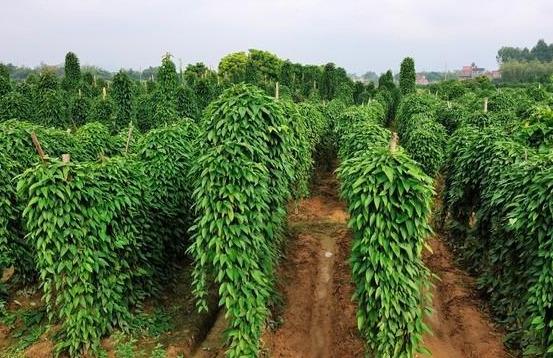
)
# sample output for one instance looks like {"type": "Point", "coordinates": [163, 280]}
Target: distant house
{"type": "Point", "coordinates": [493, 75]}
{"type": "Point", "coordinates": [471, 71]}
{"type": "Point", "coordinates": [421, 79]}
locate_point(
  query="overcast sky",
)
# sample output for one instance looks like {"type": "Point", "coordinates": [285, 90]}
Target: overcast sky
{"type": "Point", "coordinates": [357, 35]}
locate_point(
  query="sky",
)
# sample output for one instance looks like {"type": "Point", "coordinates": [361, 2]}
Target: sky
{"type": "Point", "coordinates": [357, 35]}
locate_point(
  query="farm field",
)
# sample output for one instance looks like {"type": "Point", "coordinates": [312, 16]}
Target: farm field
{"type": "Point", "coordinates": [274, 209]}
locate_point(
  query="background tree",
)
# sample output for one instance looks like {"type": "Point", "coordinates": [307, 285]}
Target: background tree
{"type": "Point", "coordinates": [407, 76]}
{"type": "Point", "coordinates": [72, 72]}
{"type": "Point", "coordinates": [386, 81]}
{"type": "Point", "coordinates": [264, 65]}
{"type": "Point", "coordinates": [122, 93]}
{"type": "Point", "coordinates": [165, 98]}
{"type": "Point", "coordinates": [233, 66]}
{"type": "Point", "coordinates": [541, 52]}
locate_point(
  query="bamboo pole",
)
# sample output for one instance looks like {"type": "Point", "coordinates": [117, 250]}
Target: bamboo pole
{"type": "Point", "coordinates": [38, 147]}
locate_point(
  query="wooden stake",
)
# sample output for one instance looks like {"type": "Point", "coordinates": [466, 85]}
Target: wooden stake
{"type": "Point", "coordinates": [128, 138]}
{"type": "Point", "coordinates": [38, 147]}
{"type": "Point", "coordinates": [393, 142]}
{"type": "Point", "coordinates": [486, 105]}
{"type": "Point", "coordinates": [277, 90]}
{"type": "Point", "coordinates": [80, 94]}
{"type": "Point", "coordinates": [104, 93]}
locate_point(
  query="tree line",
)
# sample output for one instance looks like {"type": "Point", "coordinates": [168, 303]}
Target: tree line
{"type": "Point", "coordinates": [541, 52]}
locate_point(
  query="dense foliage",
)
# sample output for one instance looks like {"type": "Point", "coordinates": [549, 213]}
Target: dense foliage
{"type": "Point", "coordinates": [106, 232]}
{"type": "Point", "coordinates": [243, 170]}
{"type": "Point", "coordinates": [420, 133]}
{"type": "Point", "coordinates": [407, 76]}
{"type": "Point", "coordinates": [497, 189]}
{"type": "Point", "coordinates": [388, 199]}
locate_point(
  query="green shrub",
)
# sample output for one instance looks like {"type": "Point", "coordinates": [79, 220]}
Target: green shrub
{"type": "Point", "coordinates": [243, 175]}
{"type": "Point", "coordinates": [167, 156]}
{"type": "Point", "coordinates": [14, 105]}
{"type": "Point", "coordinates": [388, 199]}
{"type": "Point", "coordinates": [95, 141]}
{"type": "Point", "coordinates": [425, 141]}
{"type": "Point", "coordinates": [86, 222]}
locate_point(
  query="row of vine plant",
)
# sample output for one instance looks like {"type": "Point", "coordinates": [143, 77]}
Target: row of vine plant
{"type": "Point", "coordinates": [498, 190]}
{"type": "Point", "coordinates": [389, 202]}
{"type": "Point", "coordinates": [255, 152]}
{"type": "Point", "coordinates": [100, 232]}
{"type": "Point", "coordinates": [88, 143]}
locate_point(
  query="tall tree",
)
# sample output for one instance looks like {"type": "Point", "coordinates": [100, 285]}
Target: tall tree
{"type": "Point", "coordinates": [122, 93]}
{"type": "Point", "coordinates": [265, 65]}
{"type": "Point", "coordinates": [72, 72]}
{"type": "Point", "coordinates": [407, 76]}
{"type": "Point", "coordinates": [165, 110]}
{"type": "Point", "coordinates": [386, 81]}
{"type": "Point", "coordinates": [541, 52]}
{"type": "Point", "coordinates": [233, 66]}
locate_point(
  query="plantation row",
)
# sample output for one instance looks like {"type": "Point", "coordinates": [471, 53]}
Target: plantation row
{"type": "Point", "coordinates": [88, 143]}
{"type": "Point", "coordinates": [254, 152]}
{"type": "Point", "coordinates": [388, 199]}
{"type": "Point", "coordinates": [102, 234]}
{"type": "Point", "coordinates": [498, 195]}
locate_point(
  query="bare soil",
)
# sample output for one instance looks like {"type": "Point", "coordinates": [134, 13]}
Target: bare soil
{"type": "Point", "coordinates": [319, 316]}
{"type": "Point", "coordinates": [461, 328]}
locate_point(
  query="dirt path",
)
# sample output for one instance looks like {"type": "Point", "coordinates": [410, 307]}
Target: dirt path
{"type": "Point", "coordinates": [318, 317]}
{"type": "Point", "coordinates": [460, 328]}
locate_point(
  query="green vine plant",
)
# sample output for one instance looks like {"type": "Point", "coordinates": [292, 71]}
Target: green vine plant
{"type": "Point", "coordinates": [422, 136]}
{"type": "Point", "coordinates": [243, 172]}
{"type": "Point", "coordinates": [389, 201]}
{"type": "Point", "coordinates": [106, 233]}
{"type": "Point", "coordinates": [502, 173]}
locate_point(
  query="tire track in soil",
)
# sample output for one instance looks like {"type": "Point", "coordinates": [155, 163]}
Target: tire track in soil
{"type": "Point", "coordinates": [319, 316]}
{"type": "Point", "coordinates": [460, 328]}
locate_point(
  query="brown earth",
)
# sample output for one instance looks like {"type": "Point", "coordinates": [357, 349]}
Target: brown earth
{"type": "Point", "coordinates": [460, 327]}
{"type": "Point", "coordinates": [319, 316]}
